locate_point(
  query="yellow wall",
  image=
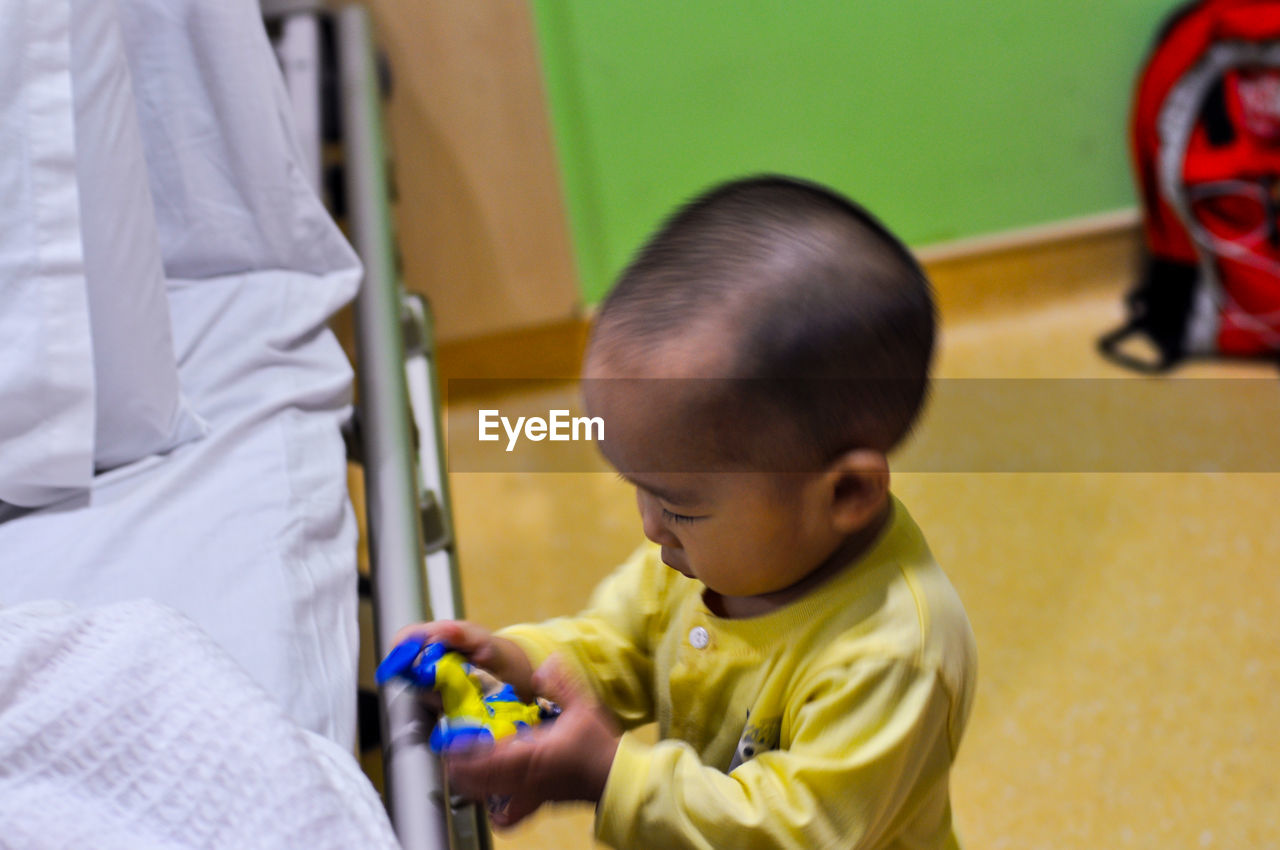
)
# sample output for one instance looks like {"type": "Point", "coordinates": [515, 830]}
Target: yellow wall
{"type": "Point", "coordinates": [482, 224]}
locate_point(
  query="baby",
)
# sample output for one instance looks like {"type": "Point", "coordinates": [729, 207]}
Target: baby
{"type": "Point", "coordinates": [809, 666]}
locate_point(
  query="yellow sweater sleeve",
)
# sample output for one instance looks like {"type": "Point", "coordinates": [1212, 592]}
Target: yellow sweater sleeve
{"type": "Point", "coordinates": [868, 748]}
{"type": "Point", "coordinates": [608, 644]}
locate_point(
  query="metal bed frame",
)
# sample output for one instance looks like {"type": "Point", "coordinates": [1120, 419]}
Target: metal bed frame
{"type": "Point", "coordinates": [333, 74]}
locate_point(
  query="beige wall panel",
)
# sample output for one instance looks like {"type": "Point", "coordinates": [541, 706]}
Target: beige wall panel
{"type": "Point", "coordinates": [481, 219]}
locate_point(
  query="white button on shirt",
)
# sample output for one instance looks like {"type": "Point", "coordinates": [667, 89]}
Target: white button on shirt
{"type": "Point", "coordinates": [699, 637]}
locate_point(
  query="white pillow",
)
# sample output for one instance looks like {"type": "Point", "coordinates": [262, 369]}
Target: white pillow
{"type": "Point", "coordinates": [232, 193]}
{"type": "Point", "coordinates": [140, 409]}
{"type": "Point", "coordinates": [46, 362]}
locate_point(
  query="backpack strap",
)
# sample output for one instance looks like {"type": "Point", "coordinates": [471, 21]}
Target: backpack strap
{"type": "Point", "coordinates": [1159, 309]}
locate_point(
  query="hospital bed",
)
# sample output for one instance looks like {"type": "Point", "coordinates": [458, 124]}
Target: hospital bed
{"type": "Point", "coordinates": [395, 435]}
{"type": "Point", "coordinates": [236, 518]}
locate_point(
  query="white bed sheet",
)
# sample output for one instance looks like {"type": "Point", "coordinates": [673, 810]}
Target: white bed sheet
{"type": "Point", "coordinates": [138, 405]}
{"type": "Point", "coordinates": [248, 531]}
{"type": "Point", "coordinates": [46, 373]}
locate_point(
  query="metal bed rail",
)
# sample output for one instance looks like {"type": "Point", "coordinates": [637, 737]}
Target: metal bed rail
{"type": "Point", "coordinates": [413, 563]}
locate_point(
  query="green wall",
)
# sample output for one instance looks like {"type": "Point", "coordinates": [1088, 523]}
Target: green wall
{"type": "Point", "coordinates": [945, 118]}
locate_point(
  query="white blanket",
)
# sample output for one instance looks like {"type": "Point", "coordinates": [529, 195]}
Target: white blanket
{"type": "Point", "coordinates": [125, 726]}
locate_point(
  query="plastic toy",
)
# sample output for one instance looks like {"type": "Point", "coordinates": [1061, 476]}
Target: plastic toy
{"type": "Point", "coordinates": [469, 717]}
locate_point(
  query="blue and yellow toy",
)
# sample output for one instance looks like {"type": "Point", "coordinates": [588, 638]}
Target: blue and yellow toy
{"type": "Point", "coordinates": [468, 717]}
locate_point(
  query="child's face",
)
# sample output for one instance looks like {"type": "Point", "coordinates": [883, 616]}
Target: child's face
{"type": "Point", "coordinates": [736, 532]}
{"type": "Point", "coordinates": [742, 533]}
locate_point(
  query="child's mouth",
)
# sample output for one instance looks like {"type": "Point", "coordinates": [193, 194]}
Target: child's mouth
{"type": "Point", "coordinates": [669, 558]}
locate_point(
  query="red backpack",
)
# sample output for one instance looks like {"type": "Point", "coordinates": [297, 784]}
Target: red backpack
{"type": "Point", "coordinates": [1206, 147]}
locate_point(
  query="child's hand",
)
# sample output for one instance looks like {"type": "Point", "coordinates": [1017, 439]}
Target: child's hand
{"type": "Point", "coordinates": [500, 657]}
{"type": "Point", "coordinates": [565, 760]}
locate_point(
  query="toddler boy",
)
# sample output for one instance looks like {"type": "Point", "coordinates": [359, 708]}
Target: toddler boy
{"type": "Point", "coordinates": [808, 664]}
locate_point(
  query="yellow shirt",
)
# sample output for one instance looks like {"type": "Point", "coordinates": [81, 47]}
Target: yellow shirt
{"type": "Point", "coordinates": [832, 722]}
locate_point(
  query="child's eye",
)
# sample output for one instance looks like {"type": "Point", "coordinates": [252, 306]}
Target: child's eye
{"type": "Point", "coordinates": [668, 515]}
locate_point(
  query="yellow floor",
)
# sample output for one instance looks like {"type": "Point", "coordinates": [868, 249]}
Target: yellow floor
{"type": "Point", "coordinates": [1129, 691]}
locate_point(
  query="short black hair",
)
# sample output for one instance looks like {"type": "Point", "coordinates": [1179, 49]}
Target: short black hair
{"type": "Point", "coordinates": [831, 318]}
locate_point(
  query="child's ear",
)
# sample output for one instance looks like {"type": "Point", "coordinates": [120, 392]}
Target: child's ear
{"type": "Point", "coordinates": [858, 484]}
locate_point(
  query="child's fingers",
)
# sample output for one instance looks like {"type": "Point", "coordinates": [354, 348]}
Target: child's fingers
{"type": "Point", "coordinates": [463, 637]}
{"type": "Point", "coordinates": [414, 631]}
{"type": "Point", "coordinates": [512, 810]}
{"type": "Point", "coordinates": [554, 681]}
{"type": "Point", "coordinates": [501, 771]}
{"type": "Point", "coordinates": [456, 634]}
{"type": "Point", "coordinates": [425, 632]}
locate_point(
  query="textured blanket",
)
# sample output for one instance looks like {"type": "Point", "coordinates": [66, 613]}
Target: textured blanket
{"type": "Point", "coordinates": [126, 727]}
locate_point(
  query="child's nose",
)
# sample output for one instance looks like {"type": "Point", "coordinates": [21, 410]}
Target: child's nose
{"type": "Point", "coordinates": [651, 520]}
